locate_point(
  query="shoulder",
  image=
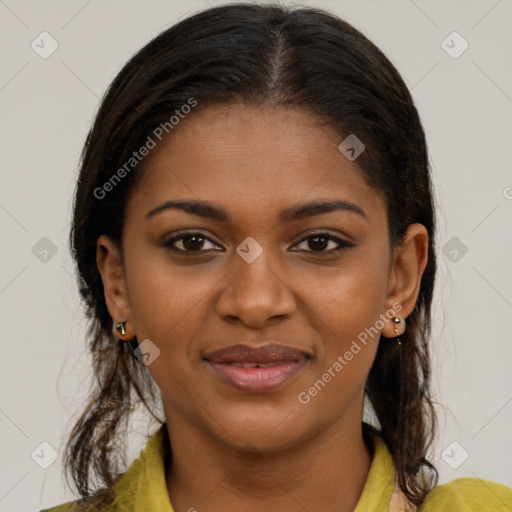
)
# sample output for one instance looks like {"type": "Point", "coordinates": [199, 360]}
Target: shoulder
{"type": "Point", "coordinates": [78, 506]}
{"type": "Point", "coordinates": [71, 506]}
{"type": "Point", "coordinates": [100, 501]}
{"type": "Point", "coordinates": [129, 488]}
{"type": "Point", "coordinates": [468, 495]}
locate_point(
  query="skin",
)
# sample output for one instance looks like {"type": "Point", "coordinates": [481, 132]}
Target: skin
{"type": "Point", "coordinates": [234, 450]}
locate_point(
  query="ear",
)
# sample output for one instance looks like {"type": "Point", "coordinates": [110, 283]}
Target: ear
{"type": "Point", "coordinates": [409, 262]}
{"type": "Point", "coordinates": [110, 265]}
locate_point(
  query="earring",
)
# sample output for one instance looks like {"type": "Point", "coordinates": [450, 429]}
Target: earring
{"type": "Point", "coordinates": [397, 321]}
{"type": "Point", "coordinates": [121, 328]}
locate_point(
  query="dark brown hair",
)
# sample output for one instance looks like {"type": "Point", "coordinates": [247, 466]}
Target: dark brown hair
{"type": "Point", "coordinates": [279, 57]}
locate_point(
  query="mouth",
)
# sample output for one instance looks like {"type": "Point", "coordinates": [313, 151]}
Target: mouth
{"type": "Point", "coordinates": [257, 369]}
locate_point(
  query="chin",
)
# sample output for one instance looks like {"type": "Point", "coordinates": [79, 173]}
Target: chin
{"type": "Point", "coordinates": [259, 428]}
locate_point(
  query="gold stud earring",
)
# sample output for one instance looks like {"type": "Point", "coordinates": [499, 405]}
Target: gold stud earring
{"type": "Point", "coordinates": [121, 328]}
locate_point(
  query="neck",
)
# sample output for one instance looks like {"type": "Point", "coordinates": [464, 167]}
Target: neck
{"type": "Point", "coordinates": [326, 473]}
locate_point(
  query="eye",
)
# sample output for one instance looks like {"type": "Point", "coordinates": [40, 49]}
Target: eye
{"type": "Point", "coordinates": [318, 242]}
{"type": "Point", "coordinates": [190, 242]}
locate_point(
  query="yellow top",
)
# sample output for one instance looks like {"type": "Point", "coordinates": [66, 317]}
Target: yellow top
{"type": "Point", "coordinates": [143, 488]}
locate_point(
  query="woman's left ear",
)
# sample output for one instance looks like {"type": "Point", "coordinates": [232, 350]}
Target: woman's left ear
{"type": "Point", "coordinates": [409, 262]}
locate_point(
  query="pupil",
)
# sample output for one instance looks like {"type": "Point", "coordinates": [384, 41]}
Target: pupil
{"type": "Point", "coordinates": [198, 240]}
{"type": "Point", "coordinates": [323, 244]}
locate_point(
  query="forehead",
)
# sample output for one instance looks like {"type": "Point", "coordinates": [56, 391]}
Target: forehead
{"type": "Point", "coordinates": [241, 156]}
{"type": "Point", "coordinates": [259, 135]}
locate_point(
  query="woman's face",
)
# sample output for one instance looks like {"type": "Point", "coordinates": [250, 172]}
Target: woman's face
{"type": "Point", "coordinates": [254, 268]}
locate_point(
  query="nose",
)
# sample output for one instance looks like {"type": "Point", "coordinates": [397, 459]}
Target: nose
{"type": "Point", "coordinates": [255, 293]}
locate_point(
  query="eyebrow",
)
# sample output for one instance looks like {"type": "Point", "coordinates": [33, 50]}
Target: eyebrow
{"type": "Point", "coordinates": [210, 211]}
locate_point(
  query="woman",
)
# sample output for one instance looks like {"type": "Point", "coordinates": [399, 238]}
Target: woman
{"type": "Point", "coordinates": [253, 231]}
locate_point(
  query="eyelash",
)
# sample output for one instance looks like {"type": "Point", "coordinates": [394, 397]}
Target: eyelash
{"type": "Point", "coordinates": [343, 244]}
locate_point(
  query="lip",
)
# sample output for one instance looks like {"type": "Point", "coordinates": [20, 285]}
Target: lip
{"type": "Point", "coordinates": [239, 365]}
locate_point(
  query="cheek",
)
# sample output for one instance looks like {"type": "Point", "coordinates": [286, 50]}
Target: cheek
{"type": "Point", "coordinates": [166, 300]}
{"type": "Point", "coordinates": [168, 307]}
{"type": "Point", "coordinates": [355, 296]}
{"type": "Point", "coordinates": [348, 318]}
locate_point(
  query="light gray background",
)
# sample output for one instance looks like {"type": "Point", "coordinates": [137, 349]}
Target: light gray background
{"type": "Point", "coordinates": [47, 106]}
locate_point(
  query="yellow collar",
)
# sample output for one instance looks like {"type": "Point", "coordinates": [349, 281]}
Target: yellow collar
{"type": "Point", "coordinates": [143, 485]}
